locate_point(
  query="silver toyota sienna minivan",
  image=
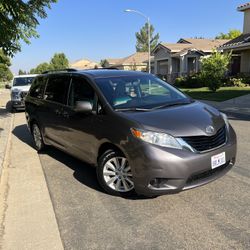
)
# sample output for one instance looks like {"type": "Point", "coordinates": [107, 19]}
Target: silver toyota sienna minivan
{"type": "Point", "coordinates": [140, 133]}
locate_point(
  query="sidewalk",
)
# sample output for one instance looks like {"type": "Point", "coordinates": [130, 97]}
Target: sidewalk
{"type": "Point", "coordinates": [5, 122]}
{"type": "Point", "coordinates": [27, 218]}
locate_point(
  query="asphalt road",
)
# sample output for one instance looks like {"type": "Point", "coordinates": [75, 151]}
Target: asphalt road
{"type": "Point", "coordinates": [215, 216]}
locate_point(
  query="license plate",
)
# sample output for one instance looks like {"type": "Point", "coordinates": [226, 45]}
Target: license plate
{"type": "Point", "coordinates": [218, 160]}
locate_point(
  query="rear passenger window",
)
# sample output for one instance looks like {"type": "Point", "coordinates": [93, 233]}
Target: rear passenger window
{"type": "Point", "coordinates": [80, 91]}
{"type": "Point", "coordinates": [37, 88]}
{"type": "Point", "coordinates": [57, 89]}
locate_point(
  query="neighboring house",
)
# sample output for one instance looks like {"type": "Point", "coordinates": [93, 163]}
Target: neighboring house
{"type": "Point", "coordinates": [172, 60]}
{"type": "Point", "coordinates": [137, 61]}
{"type": "Point", "coordinates": [240, 46]}
{"type": "Point", "coordinates": [84, 64]}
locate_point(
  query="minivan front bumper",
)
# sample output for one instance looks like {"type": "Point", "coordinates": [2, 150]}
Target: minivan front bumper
{"type": "Point", "coordinates": [158, 170]}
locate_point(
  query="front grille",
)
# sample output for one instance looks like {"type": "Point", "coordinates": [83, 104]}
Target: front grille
{"type": "Point", "coordinates": [23, 94]}
{"type": "Point", "coordinates": [204, 143]}
{"type": "Point", "coordinates": [206, 174]}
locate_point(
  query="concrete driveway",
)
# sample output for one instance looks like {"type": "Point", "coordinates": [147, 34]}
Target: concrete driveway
{"type": "Point", "coordinates": [215, 216]}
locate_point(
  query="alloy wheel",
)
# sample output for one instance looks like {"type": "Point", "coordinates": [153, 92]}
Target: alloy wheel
{"type": "Point", "coordinates": [37, 136]}
{"type": "Point", "coordinates": [117, 174]}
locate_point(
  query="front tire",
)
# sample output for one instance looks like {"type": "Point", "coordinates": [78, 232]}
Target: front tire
{"type": "Point", "coordinates": [114, 174]}
{"type": "Point", "coordinates": [38, 139]}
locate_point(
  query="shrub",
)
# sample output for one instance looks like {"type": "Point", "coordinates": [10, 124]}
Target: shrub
{"type": "Point", "coordinates": [214, 69]}
{"type": "Point", "coordinates": [235, 82]}
{"type": "Point", "coordinates": [193, 81]}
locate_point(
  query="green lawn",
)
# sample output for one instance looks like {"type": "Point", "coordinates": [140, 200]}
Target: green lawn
{"type": "Point", "coordinates": [223, 94]}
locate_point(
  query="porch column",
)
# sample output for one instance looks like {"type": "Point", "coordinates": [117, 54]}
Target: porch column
{"type": "Point", "coordinates": [170, 70]}
{"type": "Point", "coordinates": [182, 65]}
{"type": "Point", "coordinates": [196, 64]}
{"type": "Point", "coordinates": [170, 66]}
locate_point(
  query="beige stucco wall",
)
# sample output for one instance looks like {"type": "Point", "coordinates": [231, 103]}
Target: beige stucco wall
{"type": "Point", "coordinates": [245, 61]}
{"type": "Point", "coordinates": [246, 28]}
{"type": "Point", "coordinates": [137, 67]}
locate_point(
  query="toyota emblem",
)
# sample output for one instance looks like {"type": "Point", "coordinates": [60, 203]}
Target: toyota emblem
{"type": "Point", "coordinates": [210, 130]}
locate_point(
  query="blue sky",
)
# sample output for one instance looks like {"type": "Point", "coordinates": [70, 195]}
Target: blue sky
{"type": "Point", "coordinates": [98, 29]}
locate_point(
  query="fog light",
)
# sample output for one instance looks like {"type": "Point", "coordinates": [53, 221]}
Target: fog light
{"type": "Point", "coordinates": [159, 182]}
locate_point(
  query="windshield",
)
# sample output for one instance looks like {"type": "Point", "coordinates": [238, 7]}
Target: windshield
{"type": "Point", "coordinates": [140, 92]}
{"type": "Point", "coordinates": [22, 81]}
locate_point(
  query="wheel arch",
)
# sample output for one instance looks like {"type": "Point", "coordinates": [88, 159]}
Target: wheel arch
{"type": "Point", "coordinates": [108, 146]}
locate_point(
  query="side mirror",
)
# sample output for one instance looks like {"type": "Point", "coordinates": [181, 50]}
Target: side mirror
{"type": "Point", "coordinates": [83, 106]}
{"type": "Point", "coordinates": [7, 86]}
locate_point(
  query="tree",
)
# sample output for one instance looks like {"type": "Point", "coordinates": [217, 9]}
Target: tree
{"type": "Point", "coordinates": [22, 72]}
{"type": "Point", "coordinates": [18, 21]}
{"type": "Point", "coordinates": [5, 73]}
{"type": "Point", "coordinates": [40, 68]}
{"type": "Point", "coordinates": [214, 69]}
{"type": "Point", "coordinates": [104, 63]}
{"type": "Point", "coordinates": [233, 33]}
{"type": "Point", "coordinates": [142, 39]}
{"type": "Point", "coordinates": [59, 61]}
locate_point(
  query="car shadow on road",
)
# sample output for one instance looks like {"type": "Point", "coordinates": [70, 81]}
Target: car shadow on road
{"type": "Point", "coordinates": [83, 172]}
{"type": "Point", "coordinates": [23, 134]}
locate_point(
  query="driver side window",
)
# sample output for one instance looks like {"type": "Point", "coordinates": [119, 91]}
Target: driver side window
{"type": "Point", "coordinates": [80, 90]}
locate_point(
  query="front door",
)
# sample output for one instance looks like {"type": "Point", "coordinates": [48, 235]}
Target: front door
{"type": "Point", "coordinates": [79, 127]}
{"type": "Point", "coordinates": [191, 67]}
{"type": "Point", "coordinates": [235, 66]}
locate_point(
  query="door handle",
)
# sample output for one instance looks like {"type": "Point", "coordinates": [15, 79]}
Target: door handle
{"type": "Point", "coordinates": [65, 114]}
{"type": "Point", "coordinates": [58, 112]}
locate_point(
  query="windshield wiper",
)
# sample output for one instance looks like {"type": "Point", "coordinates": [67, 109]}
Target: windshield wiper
{"type": "Point", "coordinates": [131, 109]}
{"type": "Point", "coordinates": [172, 104]}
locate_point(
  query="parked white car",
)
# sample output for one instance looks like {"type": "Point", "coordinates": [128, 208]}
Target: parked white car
{"type": "Point", "coordinates": [20, 87]}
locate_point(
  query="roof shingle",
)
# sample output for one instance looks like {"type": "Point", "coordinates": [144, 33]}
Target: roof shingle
{"type": "Point", "coordinates": [244, 38]}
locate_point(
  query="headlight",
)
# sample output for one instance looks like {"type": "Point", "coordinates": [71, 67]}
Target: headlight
{"type": "Point", "coordinates": [156, 138]}
{"type": "Point", "coordinates": [224, 116]}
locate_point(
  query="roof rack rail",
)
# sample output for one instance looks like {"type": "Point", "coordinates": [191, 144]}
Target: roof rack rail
{"type": "Point", "coordinates": [59, 70]}
{"type": "Point", "coordinates": [109, 68]}
{"type": "Point", "coordinates": [114, 68]}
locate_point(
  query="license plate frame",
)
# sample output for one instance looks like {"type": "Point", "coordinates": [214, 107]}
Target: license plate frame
{"type": "Point", "coordinates": [218, 160]}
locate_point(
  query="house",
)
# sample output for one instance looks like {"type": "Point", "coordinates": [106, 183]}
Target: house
{"type": "Point", "coordinates": [137, 61]}
{"type": "Point", "coordinates": [84, 64]}
{"type": "Point", "coordinates": [173, 60]}
{"type": "Point", "coordinates": [240, 46]}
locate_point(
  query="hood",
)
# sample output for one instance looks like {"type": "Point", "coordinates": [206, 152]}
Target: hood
{"type": "Point", "coordinates": [180, 121]}
{"type": "Point", "coordinates": [20, 88]}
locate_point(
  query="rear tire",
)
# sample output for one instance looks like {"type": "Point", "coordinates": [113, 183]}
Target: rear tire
{"type": "Point", "coordinates": [114, 174]}
{"type": "Point", "coordinates": [37, 137]}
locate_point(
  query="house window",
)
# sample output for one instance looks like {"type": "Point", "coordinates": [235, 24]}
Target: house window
{"type": "Point", "coordinates": [162, 67]}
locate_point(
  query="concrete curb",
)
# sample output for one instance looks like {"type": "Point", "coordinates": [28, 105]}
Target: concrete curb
{"type": "Point", "coordinates": [27, 217]}
{"type": "Point", "coordinates": [5, 136]}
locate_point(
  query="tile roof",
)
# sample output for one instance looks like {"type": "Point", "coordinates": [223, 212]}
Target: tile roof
{"type": "Point", "coordinates": [244, 6]}
{"type": "Point", "coordinates": [138, 58]}
{"type": "Point", "coordinates": [83, 64]}
{"type": "Point", "coordinates": [205, 45]}
{"type": "Point", "coordinates": [177, 47]}
{"type": "Point", "coordinates": [202, 45]}
{"type": "Point", "coordinates": [113, 61]}
{"type": "Point", "coordinates": [186, 51]}
{"type": "Point", "coordinates": [240, 40]}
